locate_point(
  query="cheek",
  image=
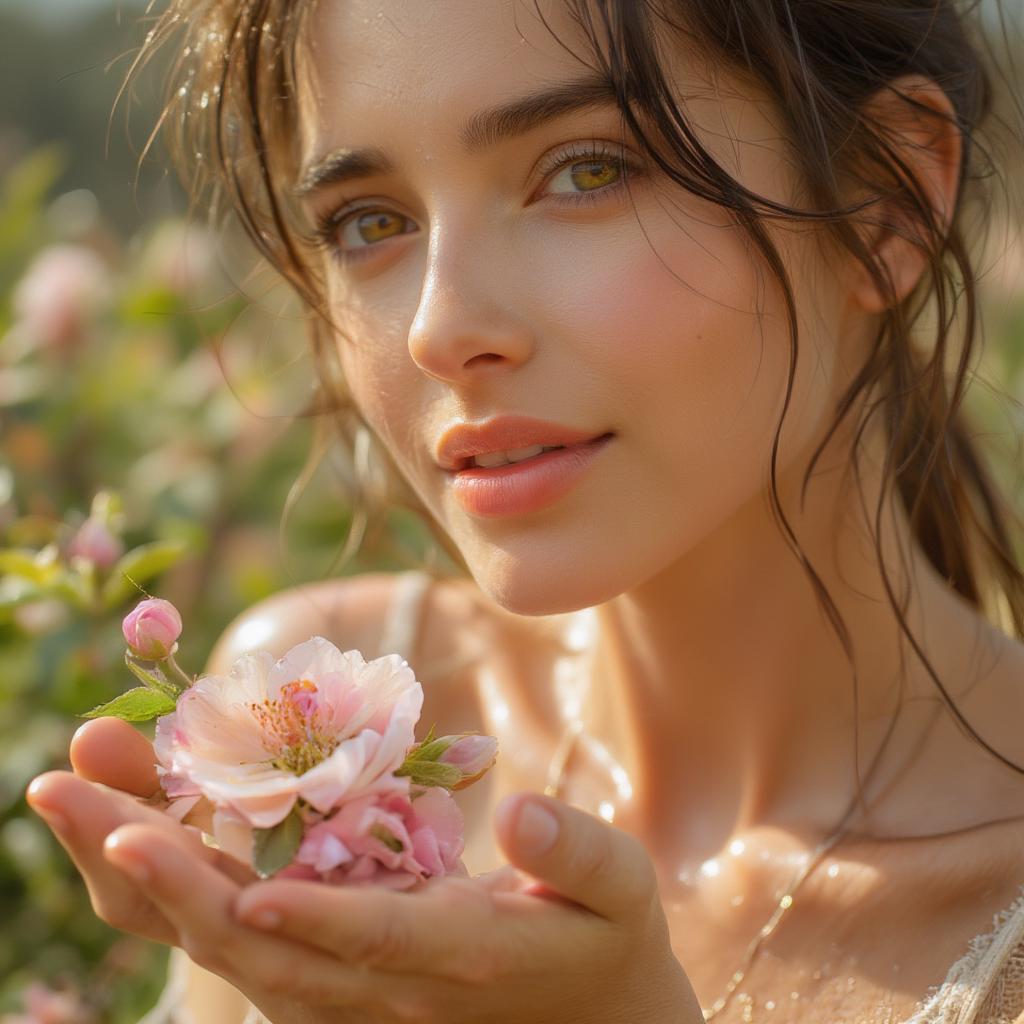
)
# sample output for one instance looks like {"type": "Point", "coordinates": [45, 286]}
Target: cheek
{"type": "Point", "coordinates": [378, 372]}
{"type": "Point", "coordinates": [692, 343]}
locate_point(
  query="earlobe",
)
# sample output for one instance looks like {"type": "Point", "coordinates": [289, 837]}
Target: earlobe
{"type": "Point", "coordinates": [916, 126]}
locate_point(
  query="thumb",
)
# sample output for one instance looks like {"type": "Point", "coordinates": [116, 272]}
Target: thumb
{"type": "Point", "coordinates": [578, 855]}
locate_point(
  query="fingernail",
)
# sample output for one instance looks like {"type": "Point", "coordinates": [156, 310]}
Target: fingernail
{"type": "Point", "coordinates": [133, 868]}
{"type": "Point", "coordinates": [536, 828]}
{"type": "Point", "coordinates": [265, 917]}
{"type": "Point", "coordinates": [130, 863]}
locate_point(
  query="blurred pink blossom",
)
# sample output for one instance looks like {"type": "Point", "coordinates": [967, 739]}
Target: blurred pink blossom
{"type": "Point", "coordinates": [318, 724]}
{"type": "Point", "coordinates": [44, 1005]}
{"type": "Point", "coordinates": [61, 290]}
{"type": "Point", "coordinates": [95, 542]}
{"type": "Point", "coordinates": [152, 628]}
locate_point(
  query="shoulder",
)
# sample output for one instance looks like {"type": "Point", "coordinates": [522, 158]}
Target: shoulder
{"type": "Point", "coordinates": [351, 612]}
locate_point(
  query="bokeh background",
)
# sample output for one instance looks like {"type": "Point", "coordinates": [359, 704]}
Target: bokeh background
{"type": "Point", "coordinates": [149, 424]}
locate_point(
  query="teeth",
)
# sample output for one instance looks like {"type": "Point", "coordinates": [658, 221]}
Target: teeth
{"type": "Point", "coordinates": [491, 460]}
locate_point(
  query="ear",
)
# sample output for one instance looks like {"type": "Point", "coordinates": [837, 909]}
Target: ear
{"type": "Point", "coordinates": [915, 118]}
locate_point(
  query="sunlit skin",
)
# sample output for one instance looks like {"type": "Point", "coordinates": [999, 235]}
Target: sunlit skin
{"type": "Point", "coordinates": [720, 688]}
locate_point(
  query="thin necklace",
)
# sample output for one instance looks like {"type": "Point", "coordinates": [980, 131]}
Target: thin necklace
{"type": "Point", "coordinates": [580, 642]}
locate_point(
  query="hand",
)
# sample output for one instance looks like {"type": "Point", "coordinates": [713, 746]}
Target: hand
{"type": "Point", "coordinates": [587, 942]}
{"type": "Point", "coordinates": [115, 783]}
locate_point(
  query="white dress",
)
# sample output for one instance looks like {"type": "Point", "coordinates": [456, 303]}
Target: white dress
{"type": "Point", "coordinates": [984, 986]}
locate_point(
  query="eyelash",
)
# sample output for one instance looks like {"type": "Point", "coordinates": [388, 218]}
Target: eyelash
{"type": "Point", "coordinates": [328, 225]}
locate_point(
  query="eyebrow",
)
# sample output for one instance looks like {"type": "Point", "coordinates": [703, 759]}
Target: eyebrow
{"type": "Point", "coordinates": [482, 131]}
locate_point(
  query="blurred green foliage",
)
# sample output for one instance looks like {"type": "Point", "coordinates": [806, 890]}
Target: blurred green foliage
{"type": "Point", "coordinates": [148, 416]}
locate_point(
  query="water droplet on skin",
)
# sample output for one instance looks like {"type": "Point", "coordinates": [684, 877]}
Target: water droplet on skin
{"type": "Point", "coordinates": [794, 996]}
{"type": "Point", "coordinates": [736, 847]}
{"type": "Point", "coordinates": [770, 1004]}
{"type": "Point", "coordinates": [833, 870]}
{"type": "Point", "coordinates": [710, 868]}
{"type": "Point", "coordinates": [736, 901]}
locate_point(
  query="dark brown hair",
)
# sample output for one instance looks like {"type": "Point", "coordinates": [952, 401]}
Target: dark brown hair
{"type": "Point", "coordinates": [230, 115]}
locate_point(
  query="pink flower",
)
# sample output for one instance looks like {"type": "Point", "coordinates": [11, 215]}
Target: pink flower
{"type": "Point", "coordinates": [96, 543]}
{"type": "Point", "coordinates": [472, 754]}
{"type": "Point", "coordinates": [60, 291]}
{"type": "Point", "coordinates": [46, 1006]}
{"type": "Point", "coordinates": [318, 725]}
{"type": "Point", "coordinates": [152, 629]}
{"type": "Point", "coordinates": [394, 840]}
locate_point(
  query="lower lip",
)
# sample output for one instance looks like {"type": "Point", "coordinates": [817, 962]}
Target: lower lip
{"type": "Point", "coordinates": [528, 486]}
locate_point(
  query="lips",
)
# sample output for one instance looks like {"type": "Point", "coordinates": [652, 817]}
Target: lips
{"type": "Point", "coordinates": [461, 442]}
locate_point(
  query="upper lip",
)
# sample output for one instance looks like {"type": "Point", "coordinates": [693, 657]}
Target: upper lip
{"type": "Point", "coordinates": [462, 441]}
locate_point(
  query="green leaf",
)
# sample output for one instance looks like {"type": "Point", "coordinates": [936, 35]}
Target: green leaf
{"type": "Point", "coordinates": [138, 565]}
{"type": "Point", "coordinates": [274, 848]}
{"type": "Point", "coordinates": [28, 565]}
{"type": "Point", "coordinates": [430, 773]}
{"type": "Point", "coordinates": [430, 749]}
{"type": "Point", "coordinates": [153, 678]}
{"type": "Point", "coordinates": [138, 705]}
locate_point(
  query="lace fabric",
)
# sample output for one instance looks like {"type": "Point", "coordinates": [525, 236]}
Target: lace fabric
{"type": "Point", "coordinates": [986, 985]}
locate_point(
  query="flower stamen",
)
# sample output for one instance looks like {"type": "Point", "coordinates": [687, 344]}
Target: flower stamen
{"type": "Point", "coordinates": [293, 728]}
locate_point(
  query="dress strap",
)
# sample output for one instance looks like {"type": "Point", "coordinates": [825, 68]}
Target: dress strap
{"type": "Point", "coordinates": [402, 622]}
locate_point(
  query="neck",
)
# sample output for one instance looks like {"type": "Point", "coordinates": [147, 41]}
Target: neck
{"type": "Point", "coordinates": [727, 697]}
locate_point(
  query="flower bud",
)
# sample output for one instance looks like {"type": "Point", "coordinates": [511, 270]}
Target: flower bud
{"type": "Point", "coordinates": [96, 543]}
{"type": "Point", "coordinates": [472, 754]}
{"type": "Point", "coordinates": [152, 629]}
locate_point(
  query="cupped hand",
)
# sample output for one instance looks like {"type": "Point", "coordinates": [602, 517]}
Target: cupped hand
{"type": "Point", "coordinates": [586, 940]}
{"type": "Point", "coordinates": [114, 784]}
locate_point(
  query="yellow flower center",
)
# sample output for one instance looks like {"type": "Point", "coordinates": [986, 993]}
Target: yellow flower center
{"type": "Point", "coordinates": [293, 728]}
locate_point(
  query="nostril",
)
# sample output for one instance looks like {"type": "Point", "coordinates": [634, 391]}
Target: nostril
{"type": "Point", "coordinates": [488, 357]}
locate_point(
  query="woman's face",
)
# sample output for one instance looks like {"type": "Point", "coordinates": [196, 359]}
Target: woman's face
{"type": "Point", "coordinates": [518, 276]}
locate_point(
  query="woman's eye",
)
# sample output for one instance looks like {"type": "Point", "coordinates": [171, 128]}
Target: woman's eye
{"type": "Point", "coordinates": [359, 229]}
{"type": "Point", "coordinates": [598, 172]}
{"type": "Point", "coordinates": [591, 175]}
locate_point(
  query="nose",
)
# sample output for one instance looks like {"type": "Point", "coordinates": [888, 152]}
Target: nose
{"type": "Point", "coordinates": [465, 324]}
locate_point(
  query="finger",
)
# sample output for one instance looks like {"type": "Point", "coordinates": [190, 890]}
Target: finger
{"type": "Point", "coordinates": [199, 901]}
{"type": "Point", "coordinates": [81, 815]}
{"type": "Point", "coordinates": [578, 855]}
{"type": "Point", "coordinates": [110, 751]}
{"type": "Point", "coordinates": [444, 929]}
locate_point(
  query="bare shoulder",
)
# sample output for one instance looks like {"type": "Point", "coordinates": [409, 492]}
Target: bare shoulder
{"type": "Point", "coordinates": [351, 612]}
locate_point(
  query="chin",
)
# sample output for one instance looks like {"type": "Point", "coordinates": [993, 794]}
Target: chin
{"type": "Point", "coordinates": [539, 587]}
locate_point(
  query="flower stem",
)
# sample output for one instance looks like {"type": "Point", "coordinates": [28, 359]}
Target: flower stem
{"type": "Point", "coordinates": [179, 672]}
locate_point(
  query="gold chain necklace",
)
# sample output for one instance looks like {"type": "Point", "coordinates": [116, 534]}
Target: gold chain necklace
{"type": "Point", "coordinates": [556, 775]}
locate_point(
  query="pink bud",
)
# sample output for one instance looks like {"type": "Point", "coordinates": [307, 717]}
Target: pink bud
{"type": "Point", "coordinates": [152, 629]}
{"type": "Point", "coordinates": [472, 755]}
{"type": "Point", "coordinates": [95, 542]}
{"type": "Point", "coordinates": [47, 1006]}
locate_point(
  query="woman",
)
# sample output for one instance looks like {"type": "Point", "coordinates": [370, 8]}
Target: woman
{"type": "Point", "coordinates": [718, 252]}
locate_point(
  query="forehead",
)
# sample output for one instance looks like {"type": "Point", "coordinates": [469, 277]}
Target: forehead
{"type": "Point", "coordinates": [416, 65]}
